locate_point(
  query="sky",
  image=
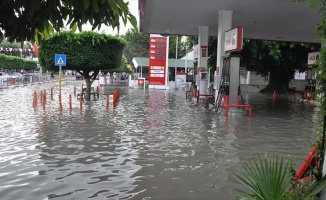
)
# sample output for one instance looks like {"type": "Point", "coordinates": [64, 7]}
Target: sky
{"type": "Point", "coordinates": [133, 8]}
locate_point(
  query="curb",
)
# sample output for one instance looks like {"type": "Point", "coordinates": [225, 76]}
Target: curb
{"type": "Point", "coordinates": [23, 85]}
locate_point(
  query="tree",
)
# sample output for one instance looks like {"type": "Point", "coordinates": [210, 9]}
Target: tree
{"type": "Point", "coordinates": [192, 41]}
{"type": "Point", "coordinates": [321, 63]}
{"type": "Point", "coordinates": [138, 45]}
{"type": "Point", "coordinates": [278, 60]}
{"type": "Point", "coordinates": [173, 44]}
{"type": "Point", "coordinates": [21, 20]}
{"type": "Point", "coordinates": [85, 51]}
{"type": "Point", "coordinates": [212, 51]}
{"type": "Point", "coordinates": [13, 62]}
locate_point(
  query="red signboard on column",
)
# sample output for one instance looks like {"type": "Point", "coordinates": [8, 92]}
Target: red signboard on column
{"type": "Point", "coordinates": [157, 60]}
{"type": "Point", "coordinates": [203, 51]}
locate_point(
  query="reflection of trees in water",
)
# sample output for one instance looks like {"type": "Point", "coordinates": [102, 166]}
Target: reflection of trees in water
{"type": "Point", "coordinates": [76, 139]}
{"type": "Point", "coordinates": [155, 119]}
{"type": "Point", "coordinates": [90, 146]}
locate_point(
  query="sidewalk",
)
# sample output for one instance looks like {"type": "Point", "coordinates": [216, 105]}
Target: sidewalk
{"type": "Point", "coordinates": [8, 86]}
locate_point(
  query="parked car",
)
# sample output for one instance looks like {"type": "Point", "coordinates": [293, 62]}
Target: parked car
{"type": "Point", "coordinates": [33, 75]}
{"type": "Point", "coordinates": [79, 76]}
{"type": "Point", "coordinates": [4, 76]}
{"type": "Point", "coordinates": [16, 75]}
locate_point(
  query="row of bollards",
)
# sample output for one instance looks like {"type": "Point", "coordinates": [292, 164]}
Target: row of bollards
{"type": "Point", "coordinates": [42, 99]}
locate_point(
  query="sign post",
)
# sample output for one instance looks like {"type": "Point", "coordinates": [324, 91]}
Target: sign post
{"type": "Point", "coordinates": [158, 68]}
{"type": "Point", "coordinates": [60, 60]}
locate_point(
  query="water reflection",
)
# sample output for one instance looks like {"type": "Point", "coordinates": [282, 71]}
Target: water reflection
{"type": "Point", "coordinates": [153, 145]}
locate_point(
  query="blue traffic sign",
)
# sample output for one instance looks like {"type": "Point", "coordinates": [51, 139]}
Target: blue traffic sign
{"type": "Point", "coordinates": [60, 60]}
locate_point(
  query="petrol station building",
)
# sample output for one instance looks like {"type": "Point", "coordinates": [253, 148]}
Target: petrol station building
{"type": "Point", "coordinates": [230, 21]}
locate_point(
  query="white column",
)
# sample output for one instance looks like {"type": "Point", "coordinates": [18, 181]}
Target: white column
{"type": "Point", "coordinates": [224, 24]}
{"type": "Point", "coordinates": [167, 63]}
{"type": "Point", "coordinates": [202, 45]}
{"type": "Point", "coordinates": [202, 55]}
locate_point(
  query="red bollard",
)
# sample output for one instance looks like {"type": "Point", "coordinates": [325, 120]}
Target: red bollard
{"type": "Point", "coordinates": [81, 101]}
{"type": "Point", "coordinates": [44, 96]}
{"type": "Point", "coordinates": [60, 103]}
{"type": "Point", "coordinates": [70, 103]}
{"type": "Point", "coordinates": [114, 97]}
{"type": "Point", "coordinates": [274, 95]}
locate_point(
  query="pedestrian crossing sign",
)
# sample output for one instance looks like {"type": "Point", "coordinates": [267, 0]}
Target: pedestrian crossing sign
{"type": "Point", "coordinates": [60, 60]}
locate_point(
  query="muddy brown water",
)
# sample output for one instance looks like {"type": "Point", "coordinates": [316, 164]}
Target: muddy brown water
{"type": "Point", "coordinates": [154, 145]}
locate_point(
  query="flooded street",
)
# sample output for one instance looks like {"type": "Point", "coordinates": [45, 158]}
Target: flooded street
{"type": "Point", "coordinates": [154, 145]}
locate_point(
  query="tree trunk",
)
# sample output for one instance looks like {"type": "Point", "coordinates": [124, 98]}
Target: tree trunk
{"type": "Point", "coordinates": [88, 89]}
{"type": "Point", "coordinates": [279, 80]}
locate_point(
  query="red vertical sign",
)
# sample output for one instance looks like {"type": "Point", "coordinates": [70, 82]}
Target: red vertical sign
{"type": "Point", "coordinates": [157, 60]}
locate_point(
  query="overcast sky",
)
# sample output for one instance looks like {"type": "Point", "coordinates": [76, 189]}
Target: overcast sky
{"type": "Point", "coordinates": [133, 7]}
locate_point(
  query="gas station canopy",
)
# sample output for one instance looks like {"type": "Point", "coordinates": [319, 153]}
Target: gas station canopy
{"type": "Point", "coordinates": [278, 20]}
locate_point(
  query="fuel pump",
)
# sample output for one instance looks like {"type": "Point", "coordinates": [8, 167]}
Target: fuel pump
{"type": "Point", "coordinates": [223, 90]}
{"type": "Point", "coordinates": [229, 94]}
{"type": "Point", "coordinates": [309, 92]}
{"type": "Point", "coordinates": [225, 81]}
{"type": "Point", "coordinates": [194, 79]}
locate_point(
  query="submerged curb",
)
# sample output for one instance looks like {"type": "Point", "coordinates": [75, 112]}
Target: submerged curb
{"type": "Point", "coordinates": [24, 85]}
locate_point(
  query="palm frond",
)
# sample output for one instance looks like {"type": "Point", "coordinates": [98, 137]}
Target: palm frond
{"type": "Point", "coordinates": [266, 178]}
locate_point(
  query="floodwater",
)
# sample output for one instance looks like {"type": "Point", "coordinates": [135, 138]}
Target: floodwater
{"type": "Point", "coordinates": [154, 144]}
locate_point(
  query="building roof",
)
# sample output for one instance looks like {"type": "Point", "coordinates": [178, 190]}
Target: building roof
{"type": "Point", "coordinates": [280, 20]}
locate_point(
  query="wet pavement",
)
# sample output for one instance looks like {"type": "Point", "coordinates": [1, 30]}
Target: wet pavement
{"type": "Point", "coordinates": [154, 144]}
